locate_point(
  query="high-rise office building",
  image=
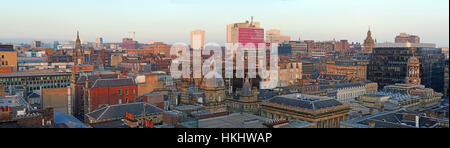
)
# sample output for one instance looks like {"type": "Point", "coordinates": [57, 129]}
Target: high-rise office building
{"type": "Point", "coordinates": [99, 40]}
{"type": "Point", "coordinates": [389, 64]}
{"type": "Point", "coordinates": [55, 44]}
{"type": "Point", "coordinates": [129, 43]}
{"type": "Point", "coordinates": [407, 38]}
{"type": "Point", "coordinates": [248, 32]}
{"type": "Point", "coordinates": [198, 39]}
{"type": "Point", "coordinates": [36, 44]}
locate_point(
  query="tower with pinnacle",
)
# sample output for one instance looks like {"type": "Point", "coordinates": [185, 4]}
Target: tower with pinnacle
{"type": "Point", "coordinates": [413, 73]}
{"type": "Point", "coordinates": [78, 53]}
{"type": "Point", "coordinates": [369, 43]}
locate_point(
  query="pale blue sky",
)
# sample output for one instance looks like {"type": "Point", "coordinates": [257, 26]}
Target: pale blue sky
{"type": "Point", "coordinates": [172, 20]}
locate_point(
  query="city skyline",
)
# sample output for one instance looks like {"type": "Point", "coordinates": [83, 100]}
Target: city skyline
{"type": "Point", "coordinates": [113, 20]}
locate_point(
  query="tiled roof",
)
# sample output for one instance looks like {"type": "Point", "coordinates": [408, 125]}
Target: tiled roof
{"type": "Point", "coordinates": [93, 78]}
{"type": "Point", "coordinates": [115, 112]}
{"type": "Point", "coordinates": [307, 103]}
{"type": "Point", "coordinates": [389, 119]}
{"type": "Point", "coordinates": [102, 83]}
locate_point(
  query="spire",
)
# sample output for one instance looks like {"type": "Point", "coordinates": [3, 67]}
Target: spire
{"type": "Point", "coordinates": [78, 34]}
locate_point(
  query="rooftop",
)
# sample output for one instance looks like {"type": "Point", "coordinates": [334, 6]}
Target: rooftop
{"type": "Point", "coordinates": [390, 119]}
{"type": "Point", "coordinates": [115, 112]}
{"type": "Point", "coordinates": [305, 101]}
{"type": "Point", "coordinates": [405, 45]}
{"type": "Point", "coordinates": [102, 83]}
{"type": "Point", "coordinates": [68, 120]}
{"type": "Point", "coordinates": [35, 74]}
{"type": "Point", "coordinates": [236, 120]}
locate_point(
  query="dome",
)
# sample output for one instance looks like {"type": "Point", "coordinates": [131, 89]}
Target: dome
{"type": "Point", "coordinates": [213, 80]}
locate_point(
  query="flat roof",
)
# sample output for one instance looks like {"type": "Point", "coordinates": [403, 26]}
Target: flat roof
{"type": "Point", "coordinates": [236, 120]}
{"type": "Point", "coordinates": [34, 74]}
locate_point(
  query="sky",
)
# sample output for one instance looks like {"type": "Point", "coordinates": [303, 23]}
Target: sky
{"type": "Point", "coordinates": [172, 21]}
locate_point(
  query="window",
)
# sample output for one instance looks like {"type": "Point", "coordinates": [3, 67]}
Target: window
{"type": "Point", "coordinates": [120, 101]}
{"type": "Point", "coordinates": [126, 92]}
{"type": "Point", "coordinates": [126, 100]}
{"type": "Point", "coordinates": [120, 92]}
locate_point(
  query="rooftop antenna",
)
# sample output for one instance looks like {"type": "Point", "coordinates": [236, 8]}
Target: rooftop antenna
{"type": "Point", "coordinates": [252, 22]}
{"type": "Point", "coordinates": [134, 34]}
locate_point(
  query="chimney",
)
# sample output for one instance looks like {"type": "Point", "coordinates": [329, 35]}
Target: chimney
{"type": "Point", "coordinates": [87, 83]}
{"type": "Point", "coordinates": [417, 121]}
{"type": "Point", "coordinates": [371, 124]}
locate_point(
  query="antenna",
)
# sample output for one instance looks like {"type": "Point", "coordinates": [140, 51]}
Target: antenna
{"type": "Point", "coordinates": [251, 23]}
{"type": "Point", "coordinates": [134, 34]}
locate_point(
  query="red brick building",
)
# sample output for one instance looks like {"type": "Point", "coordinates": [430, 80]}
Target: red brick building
{"type": "Point", "coordinates": [111, 92]}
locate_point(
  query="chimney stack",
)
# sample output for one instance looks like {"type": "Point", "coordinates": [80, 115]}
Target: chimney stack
{"type": "Point", "coordinates": [371, 124]}
{"type": "Point", "coordinates": [417, 121]}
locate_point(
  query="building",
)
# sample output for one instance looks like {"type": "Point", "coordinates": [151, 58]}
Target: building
{"type": "Point", "coordinates": [34, 81]}
{"type": "Point", "coordinates": [116, 59]}
{"type": "Point", "coordinates": [389, 64]}
{"type": "Point", "coordinates": [245, 33]}
{"type": "Point", "coordinates": [345, 93]}
{"type": "Point", "coordinates": [138, 111]}
{"type": "Point", "coordinates": [413, 73]}
{"type": "Point", "coordinates": [324, 112]}
{"type": "Point", "coordinates": [110, 92]}
{"type": "Point", "coordinates": [78, 52]}
{"type": "Point", "coordinates": [147, 83]}
{"type": "Point", "coordinates": [288, 124]}
{"type": "Point", "coordinates": [155, 99]}
{"type": "Point", "coordinates": [58, 99]}
{"type": "Point", "coordinates": [246, 101]}
{"type": "Point", "coordinates": [36, 44]}
{"type": "Point", "coordinates": [231, 38]}
{"type": "Point", "coordinates": [79, 93]}
{"type": "Point", "coordinates": [214, 98]}
{"type": "Point", "coordinates": [8, 59]}
{"type": "Point", "coordinates": [352, 69]}
{"type": "Point", "coordinates": [236, 120]}
{"type": "Point", "coordinates": [129, 43]}
{"type": "Point", "coordinates": [369, 43]}
{"type": "Point", "coordinates": [401, 118]}
{"type": "Point", "coordinates": [406, 38]}
{"type": "Point", "coordinates": [198, 39]}
{"type": "Point", "coordinates": [274, 36]}
{"type": "Point", "coordinates": [393, 97]}
{"type": "Point", "coordinates": [299, 49]}
{"type": "Point", "coordinates": [157, 48]}
{"type": "Point", "coordinates": [446, 79]}
{"type": "Point", "coordinates": [99, 42]}
{"type": "Point", "coordinates": [289, 72]}
{"type": "Point", "coordinates": [68, 120]}
{"type": "Point", "coordinates": [32, 119]}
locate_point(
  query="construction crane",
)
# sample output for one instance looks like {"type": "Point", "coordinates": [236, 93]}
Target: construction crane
{"type": "Point", "coordinates": [134, 34]}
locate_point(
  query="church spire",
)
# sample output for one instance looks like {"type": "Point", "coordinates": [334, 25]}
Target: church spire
{"type": "Point", "coordinates": [78, 51]}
